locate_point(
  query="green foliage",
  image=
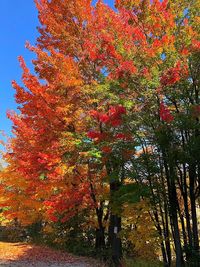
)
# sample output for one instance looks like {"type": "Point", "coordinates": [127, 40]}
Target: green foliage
{"type": "Point", "coordinates": [130, 193]}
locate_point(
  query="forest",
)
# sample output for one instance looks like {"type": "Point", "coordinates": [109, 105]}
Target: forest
{"type": "Point", "coordinates": [104, 160]}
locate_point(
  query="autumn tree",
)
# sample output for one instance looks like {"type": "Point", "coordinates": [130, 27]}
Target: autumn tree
{"type": "Point", "coordinates": [114, 104]}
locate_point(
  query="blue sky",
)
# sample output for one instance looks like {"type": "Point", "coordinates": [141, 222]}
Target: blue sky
{"type": "Point", "coordinates": [18, 22]}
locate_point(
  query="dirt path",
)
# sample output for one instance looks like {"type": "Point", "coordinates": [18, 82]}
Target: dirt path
{"type": "Point", "coordinates": [26, 255]}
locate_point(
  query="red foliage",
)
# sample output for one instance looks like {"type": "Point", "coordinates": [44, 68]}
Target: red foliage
{"type": "Point", "coordinates": [174, 75]}
{"type": "Point", "coordinates": [123, 136]}
{"type": "Point", "coordinates": [106, 149]}
{"type": "Point", "coordinates": [165, 114]}
{"type": "Point", "coordinates": [93, 134]}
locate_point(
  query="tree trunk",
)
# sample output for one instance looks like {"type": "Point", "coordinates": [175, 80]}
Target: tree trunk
{"type": "Point", "coordinates": [192, 175]}
{"type": "Point", "coordinates": [114, 240]}
{"type": "Point", "coordinates": [173, 207]}
{"type": "Point", "coordinates": [167, 237]}
{"type": "Point", "coordinates": [114, 229]}
{"type": "Point", "coordinates": [174, 221]}
{"type": "Point", "coordinates": [100, 238]}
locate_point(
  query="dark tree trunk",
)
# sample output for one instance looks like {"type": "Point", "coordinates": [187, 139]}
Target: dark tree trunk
{"type": "Point", "coordinates": [165, 218]}
{"type": "Point", "coordinates": [115, 228]}
{"type": "Point", "coordinates": [167, 237]}
{"type": "Point", "coordinates": [100, 231]}
{"type": "Point", "coordinates": [114, 240]}
{"type": "Point", "coordinates": [163, 248]}
{"type": "Point", "coordinates": [183, 228]}
{"type": "Point", "coordinates": [173, 207]}
{"type": "Point", "coordinates": [100, 238]}
{"type": "Point", "coordinates": [186, 206]}
{"type": "Point", "coordinates": [192, 175]}
{"type": "Point", "coordinates": [174, 221]}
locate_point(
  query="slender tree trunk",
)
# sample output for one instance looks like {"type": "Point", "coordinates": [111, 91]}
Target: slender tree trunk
{"type": "Point", "coordinates": [164, 255]}
{"type": "Point", "coordinates": [165, 224]}
{"type": "Point", "coordinates": [186, 207]}
{"type": "Point", "coordinates": [167, 237]}
{"type": "Point", "coordinates": [163, 248]}
{"type": "Point", "coordinates": [192, 175]}
{"type": "Point", "coordinates": [173, 204]}
{"type": "Point", "coordinates": [100, 231]}
{"type": "Point", "coordinates": [166, 219]}
{"type": "Point", "coordinates": [183, 228]}
{"type": "Point", "coordinates": [184, 190]}
{"type": "Point", "coordinates": [174, 221]}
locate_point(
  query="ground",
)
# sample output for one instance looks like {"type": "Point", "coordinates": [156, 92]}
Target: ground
{"type": "Point", "coordinates": [27, 255]}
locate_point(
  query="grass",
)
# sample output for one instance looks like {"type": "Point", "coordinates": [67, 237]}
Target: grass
{"type": "Point", "coordinates": [142, 263]}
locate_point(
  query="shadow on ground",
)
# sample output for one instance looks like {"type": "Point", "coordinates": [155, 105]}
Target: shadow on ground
{"type": "Point", "coordinates": [27, 255]}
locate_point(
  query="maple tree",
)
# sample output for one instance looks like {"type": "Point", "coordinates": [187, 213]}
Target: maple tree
{"type": "Point", "coordinates": [111, 115]}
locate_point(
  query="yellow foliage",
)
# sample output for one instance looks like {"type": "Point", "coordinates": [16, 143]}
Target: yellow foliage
{"type": "Point", "coordinates": [140, 230]}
